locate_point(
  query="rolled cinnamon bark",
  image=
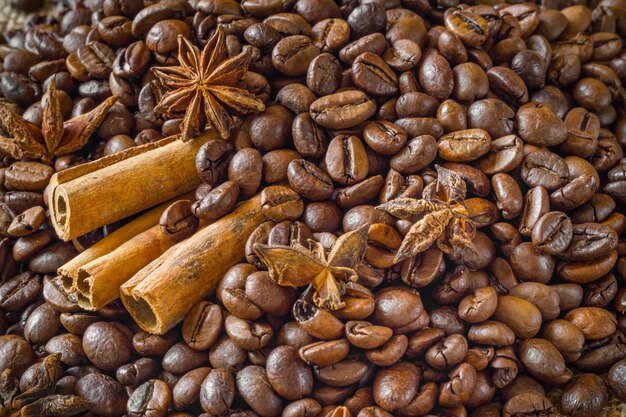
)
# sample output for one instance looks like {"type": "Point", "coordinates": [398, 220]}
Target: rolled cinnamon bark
{"type": "Point", "coordinates": [98, 282]}
{"type": "Point", "coordinates": [69, 271]}
{"type": "Point", "coordinates": [159, 295]}
{"type": "Point", "coordinates": [112, 188]}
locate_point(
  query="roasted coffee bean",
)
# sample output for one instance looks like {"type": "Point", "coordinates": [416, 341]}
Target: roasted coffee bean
{"type": "Point", "coordinates": [541, 295]}
{"type": "Point", "coordinates": [465, 145]}
{"type": "Point", "coordinates": [395, 386]}
{"type": "Point", "coordinates": [472, 28]}
{"type": "Point", "coordinates": [585, 395]}
{"type": "Point", "coordinates": [595, 323]}
{"type": "Point", "coordinates": [309, 181]}
{"type": "Point", "coordinates": [246, 169]}
{"type": "Point", "coordinates": [589, 241]}
{"type": "Point", "coordinates": [372, 74]}
{"type": "Point", "coordinates": [202, 325]}
{"type": "Point", "coordinates": [565, 337]}
{"type": "Point", "coordinates": [308, 139]}
{"type": "Point", "coordinates": [105, 395]}
{"type": "Point", "coordinates": [217, 202]}
{"type": "Point", "coordinates": [360, 193]}
{"type": "Point", "coordinates": [325, 352]}
{"type": "Point", "coordinates": [19, 88]}
{"type": "Point", "coordinates": [530, 264]}
{"type": "Point", "coordinates": [267, 295]}
{"type": "Point", "coordinates": [291, 55]}
{"type": "Point", "coordinates": [418, 153]}
{"type": "Point", "coordinates": [97, 59]}
{"type": "Point", "coordinates": [479, 306]}
{"type": "Point", "coordinates": [281, 203]}
{"type": "Point", "coordinates": [460, 386]}
{"type": "Point", "coordinates": [346, 161]}
{"type": "Point", "coordinates": [616, 380]}
{"type": "Point", "coordinates": [257, 392]}
{"type": "Point", "coordinates": [152, 14]}
{"type": "Point", "coordinates": [154, 396]}
{"type": "Point", "coordinates": [523, 317]}
{"type": "Point", "coordinates": [136, 373]}
{"type": "Point", "coordinates": [544, 168]}
{"type": "Point", "coordinates": [491, 333]}
{"type": "Point", "coordinates": [178, 222]}
{"type": "Point", "coordinates": [552, 233]}
{"type": "Point", "coordinates": [217, 391]}
{"type": "Point", "coordinates": [342, 110]}
{"type": "Point", "coordinates": [527, 403]}
{"type": "Point", "coordinates": [107, 345]}
{"type": "Point", "coordinates": [289, 375]}
{"type": "Point", "coordinates": [212, 161]}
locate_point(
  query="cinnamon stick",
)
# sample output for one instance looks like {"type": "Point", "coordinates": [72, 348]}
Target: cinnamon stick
{"type": "Point", "coordinates": [69, 271]}
{"type": "Point", "coordinates": [98, 282]}
{"type": "Point", "coordinates": [112, 188]}
{"type": "Point", "coordinates": [159, 295]}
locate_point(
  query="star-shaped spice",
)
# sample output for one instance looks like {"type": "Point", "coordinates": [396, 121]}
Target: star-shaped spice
{"type": "Point", "coordinates": [440, 216]}
{"type": "Point", "coordinates": [39, 399]}
{"type": "Point", "coordinates": [296, 266]}
{"type": "Point", "coordinates": [204, 85]}
{"type": "Point", "coordinates": [56, 137]}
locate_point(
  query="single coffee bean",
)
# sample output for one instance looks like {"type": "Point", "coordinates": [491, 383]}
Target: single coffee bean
{"type": "Point", "coordinates": [218, 202]}
{"type": "Point", "coordinates": [585, 395]}
{"type": "Point", "coordinates": [372, 74]}
{"type": "Point", "coordinates": [552, 233]}
{"type": "Point", "coordinates": [178, 222]}
{"type": "Point", "coordinates": [472, 28]}
{"type": "Point", "coordinates": [465, 145]}
{"type": "Point", "coordinates": [202, 325]}
{"type": "Point", "coordinates": [154, 396]}
{"type": "Point", "coordinates": [342, 110]}
{"type": "Point", "coordinates": [346, 161]}
{"type": "Point", "coordinates": [217, 391]}
{"type": "Point", "coordinates": [309, 181]}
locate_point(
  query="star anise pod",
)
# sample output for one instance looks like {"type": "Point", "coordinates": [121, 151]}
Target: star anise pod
{"type": "Point", "coordinates": [39, 399]}
{"type": "Point", "coordinates": [56, 137]}
{"type": "Point", "coordinates": [440, 216]}
{"type": "Point", "coordinates": [296, 266]}
{"type": "Point", "coordinates": [206, 82]}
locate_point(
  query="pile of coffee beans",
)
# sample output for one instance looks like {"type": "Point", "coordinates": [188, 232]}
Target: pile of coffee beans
{"type": "Point", "coordinates": [363, 97]}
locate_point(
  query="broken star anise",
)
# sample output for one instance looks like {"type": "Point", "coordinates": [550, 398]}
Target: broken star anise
{"type": "Point", "coordinates": [206, 82]}
{"type": "Point", "coordinates": [38, 399]}
{"type": "Point", "coordinates": [296, 266]}
{"type": "Point", "coordinates": [440, 216]}
{"type": "Point", "coordinates": [56, 137]}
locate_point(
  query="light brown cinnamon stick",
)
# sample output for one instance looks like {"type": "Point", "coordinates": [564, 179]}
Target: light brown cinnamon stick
{"type": "Point", "coordinates": [159, 295]}
{"type": "Point", "coordinates": [112, 188]}
{"type": "Point", "coordinates": [98, 282]}
{"type": "Point", "coordinates": [69, 271]}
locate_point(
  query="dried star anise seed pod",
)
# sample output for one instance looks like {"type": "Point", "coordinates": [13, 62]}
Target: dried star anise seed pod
{"type": "Point", "coordinates": [206, 83]}
{"type": "Point", "coordinates": [56, 137]}
{"type": "Point", "coordinates": [440, 216]}
{"type": "Point", "coordinates": [296, 266]}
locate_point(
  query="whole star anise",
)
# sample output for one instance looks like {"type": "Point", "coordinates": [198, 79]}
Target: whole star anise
{"type": "Point", "coordinates": [56, 137]}
{"type": "Point", "coordinates": [206, 82]}
{"type": "Point", "coordinates": [296, 266]}
{"type": "Point", "coordinates": [440, 216]}
{"type": "Point", "coordinates": [38, 400]}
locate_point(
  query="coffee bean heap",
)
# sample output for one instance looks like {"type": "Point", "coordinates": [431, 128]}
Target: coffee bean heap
{"type": "Point", "coordinates": [523, 101]}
